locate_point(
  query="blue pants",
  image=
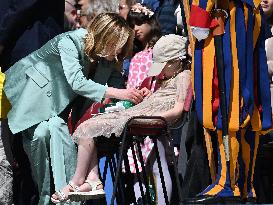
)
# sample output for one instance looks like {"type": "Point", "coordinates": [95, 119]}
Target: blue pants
{"type": "Point", "coordinates": [49, 145]}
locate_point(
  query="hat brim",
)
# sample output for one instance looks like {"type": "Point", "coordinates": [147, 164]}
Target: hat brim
{"type": "Point", "coordinates": [156, 69]}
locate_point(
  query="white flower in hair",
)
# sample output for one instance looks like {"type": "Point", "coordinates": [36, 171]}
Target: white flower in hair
{"type": "Point", "coordinates": [138, 8]}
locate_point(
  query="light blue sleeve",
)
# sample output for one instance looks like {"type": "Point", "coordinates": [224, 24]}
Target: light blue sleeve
{"type": "Point", "coordinates": [73, 72]}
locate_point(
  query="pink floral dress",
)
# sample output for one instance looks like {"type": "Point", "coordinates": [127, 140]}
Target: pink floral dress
{"type": "Point", "coordinates": [139, 66]}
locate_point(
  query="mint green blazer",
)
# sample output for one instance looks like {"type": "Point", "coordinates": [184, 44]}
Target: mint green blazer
{"type": "Point", "coordinates": [41, 85]}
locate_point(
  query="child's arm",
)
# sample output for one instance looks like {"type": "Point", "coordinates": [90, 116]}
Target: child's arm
{"type": "Point", "coordinates": [182, 82]}
{"type": "Point", "coordinates": [174, 113]}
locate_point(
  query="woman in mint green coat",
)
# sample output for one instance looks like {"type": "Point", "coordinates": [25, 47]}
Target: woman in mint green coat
{"type": "Point", "coordinates": [41, 85]}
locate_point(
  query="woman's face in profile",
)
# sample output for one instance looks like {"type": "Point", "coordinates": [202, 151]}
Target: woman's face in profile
{"type": "Point", "coordinates": [142, 31]}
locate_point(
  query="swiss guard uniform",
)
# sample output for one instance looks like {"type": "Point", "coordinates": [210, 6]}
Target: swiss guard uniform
{"type": "Point", "coordinates": [247, 93]}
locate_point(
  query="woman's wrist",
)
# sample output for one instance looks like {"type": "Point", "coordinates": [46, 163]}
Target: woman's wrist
{"type": "Point", "coordinates": [111, 92]}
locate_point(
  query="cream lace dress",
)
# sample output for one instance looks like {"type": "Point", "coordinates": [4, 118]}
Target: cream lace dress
{"type": "Point", "coordinates": [162, 100]}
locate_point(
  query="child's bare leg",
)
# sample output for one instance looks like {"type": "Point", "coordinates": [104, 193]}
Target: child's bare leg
{"type": "Point", "coordinates": [93, 171]}
{"type": "Point", "coordinates": [85, 150]}
{"type": "Point", "coordinates": [85, 157]}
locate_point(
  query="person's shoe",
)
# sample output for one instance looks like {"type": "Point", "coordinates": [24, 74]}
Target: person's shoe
{"type": "Point", "coordinates": [209, 199]}
{"type": "Point", "coordinates": [94, 193]}
{"type": "Point", "coordinates": [61, 196]}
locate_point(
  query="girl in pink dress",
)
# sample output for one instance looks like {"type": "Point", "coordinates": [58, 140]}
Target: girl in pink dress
{"type": "Point", "coordinates": [147, 32]}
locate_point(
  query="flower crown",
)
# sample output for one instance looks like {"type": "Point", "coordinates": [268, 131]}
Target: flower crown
{"type": "Point", "coordinates": [138, 8]}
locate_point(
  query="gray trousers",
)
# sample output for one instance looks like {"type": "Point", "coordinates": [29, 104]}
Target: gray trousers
{"type": "Point", "coordinates": [49, 146]}
{"type": "Point", "coordinates": [6, 193]}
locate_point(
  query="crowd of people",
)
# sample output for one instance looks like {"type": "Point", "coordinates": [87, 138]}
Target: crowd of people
{"type": "Point", "coordinates": [58, 58]}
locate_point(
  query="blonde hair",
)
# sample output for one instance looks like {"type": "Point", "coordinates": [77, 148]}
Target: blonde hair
{"type": "Point", "coordinates": [109, 32]}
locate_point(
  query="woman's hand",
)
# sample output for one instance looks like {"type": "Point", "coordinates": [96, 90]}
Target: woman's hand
{"type": "Point", "coordinates": [130, 94]}
{"type": "Point", "coordinates": [145, 92]}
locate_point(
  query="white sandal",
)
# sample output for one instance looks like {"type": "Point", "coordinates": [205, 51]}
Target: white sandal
{"type": "Point", "coordinates": [93, 194]}
{"type": "Point", "coordinates": [62, 198]}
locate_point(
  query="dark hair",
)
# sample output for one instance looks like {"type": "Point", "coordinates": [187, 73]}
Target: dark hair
{"type": "Point", "coordinates": [135, 18]}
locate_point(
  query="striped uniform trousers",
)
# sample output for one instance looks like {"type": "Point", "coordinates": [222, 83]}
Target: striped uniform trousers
{"type": "Point", "coordinates": [247, 94]}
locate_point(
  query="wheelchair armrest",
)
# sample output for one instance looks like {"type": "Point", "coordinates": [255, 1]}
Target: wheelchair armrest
{"type": "Point", "coordinates": [146, 125]}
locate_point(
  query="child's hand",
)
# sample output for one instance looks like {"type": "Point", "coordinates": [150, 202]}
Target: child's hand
{"type": "Point", "coordinates": [146, 92]}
